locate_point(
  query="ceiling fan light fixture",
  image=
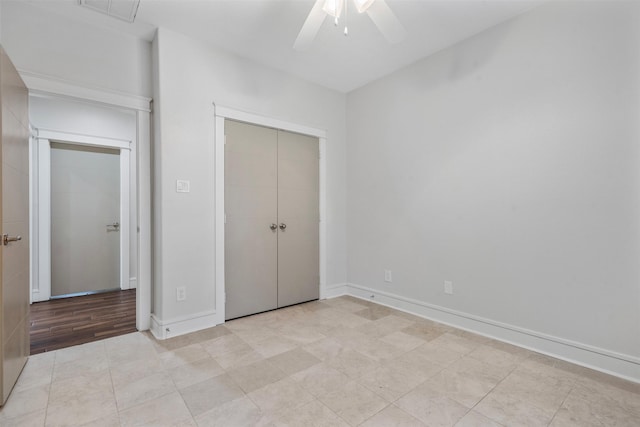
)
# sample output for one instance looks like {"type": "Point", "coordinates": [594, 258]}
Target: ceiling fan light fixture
{"type": "Point", "coordinates": [333, 7]}
{"type": "Point", "coordinates": [362, 5]}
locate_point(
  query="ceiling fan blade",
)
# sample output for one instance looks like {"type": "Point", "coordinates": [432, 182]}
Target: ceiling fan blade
{"type": "Point", "coordinates": [311, 26]}
{"type": "Point", "coordinates": [386, 21]}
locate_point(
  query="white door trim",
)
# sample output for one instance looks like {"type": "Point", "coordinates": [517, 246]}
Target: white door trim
{"type": "Point", "coordinates": [221, 113]}
{"type": "Point", "coordinates": [44, 138]}
{"type": "Point", "coordinates": [51, 86]}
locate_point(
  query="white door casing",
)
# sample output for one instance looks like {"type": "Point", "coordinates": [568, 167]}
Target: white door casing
{"type": "Point", "coordinates": [43, 140]}
{"type": "Point", "coordinates": [222, 113]}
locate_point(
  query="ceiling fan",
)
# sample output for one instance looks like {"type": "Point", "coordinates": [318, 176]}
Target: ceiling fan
{"type": "Point", "coordinates": [378, 10]}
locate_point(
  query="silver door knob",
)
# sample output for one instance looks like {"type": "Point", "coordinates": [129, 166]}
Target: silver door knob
{"type": "Point", "coordinates": [6, 239]}
{"type": "Point", "coordinates": [273, 227]}
{"type": "Point", "coordinates": [283, 226]}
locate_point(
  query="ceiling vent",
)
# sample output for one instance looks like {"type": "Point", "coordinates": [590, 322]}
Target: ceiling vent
{"type": "Point", "coordinates": [122, 9]}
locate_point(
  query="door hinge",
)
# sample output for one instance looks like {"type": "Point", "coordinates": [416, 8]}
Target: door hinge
{"type": "Point", "coordinates": [225, 140]}
{"type": "Point", "coordinates": [225, 217]}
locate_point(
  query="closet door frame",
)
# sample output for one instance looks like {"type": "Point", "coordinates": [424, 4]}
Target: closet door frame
{"type": "Point", "coordinates": [220, 115]}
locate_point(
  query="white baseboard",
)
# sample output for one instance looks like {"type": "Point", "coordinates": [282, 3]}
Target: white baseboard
{"type": "Point", "coordinates": [133, 282]}
{"type": "Point", "coordinates": [333, 291]}
{"type": "Point", "coordinates": [163, 329]}
{"type": "Point", "coordinates": [610, 362]}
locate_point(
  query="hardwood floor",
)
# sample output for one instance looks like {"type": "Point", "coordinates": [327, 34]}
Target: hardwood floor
{"type": "Point", "coordinates": [65, 322]}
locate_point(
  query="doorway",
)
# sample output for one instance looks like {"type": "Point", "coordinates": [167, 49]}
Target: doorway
{"type": "Point", "coordinates": [85, 219]}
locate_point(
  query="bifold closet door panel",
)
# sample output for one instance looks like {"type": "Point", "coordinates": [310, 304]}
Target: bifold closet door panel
{"type": "Point", "coordinates": [251, 194]}
{"type": "Point", "coordinates": [298, 211]}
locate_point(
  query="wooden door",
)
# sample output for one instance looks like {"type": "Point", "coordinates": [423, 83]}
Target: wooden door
{"type": "Point", "coordinates": [298, 218]}
{"type": "Point", "coordinates": [251, 183]}
{"type": "Point", "coordinates": [14, 217]}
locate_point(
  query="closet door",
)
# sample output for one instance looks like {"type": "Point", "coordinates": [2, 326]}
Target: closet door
{"type": "Point", "coordinates": [251, 195]}
{"type": "Point", "coordinates": [298, 218]}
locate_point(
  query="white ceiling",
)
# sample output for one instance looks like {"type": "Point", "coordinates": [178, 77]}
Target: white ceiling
{"type": "Point", "coordinates": [264, 30]}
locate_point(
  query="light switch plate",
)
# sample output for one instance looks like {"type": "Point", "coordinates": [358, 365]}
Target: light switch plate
{"type": "Point", "coordinates": [182, 186]}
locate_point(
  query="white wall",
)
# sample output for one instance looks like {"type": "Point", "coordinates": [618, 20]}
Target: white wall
{"type": "Point", "coordinates": [190, 77]}
{"type": "Point", "coordinates": [509, 164]}
{"type": "Point", "coordinates": [40, 41]}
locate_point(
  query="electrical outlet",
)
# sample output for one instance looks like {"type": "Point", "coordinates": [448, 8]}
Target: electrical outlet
{"type": "Point", "coordinates": [387, 276]}
{"type": "Point", "coordinates": [448, 287]}
{"type": "Point", "coordinates": [181, 293]}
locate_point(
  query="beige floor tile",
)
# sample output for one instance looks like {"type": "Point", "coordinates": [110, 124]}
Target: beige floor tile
{"type": "Point", "coordinates": [346, 319]}
{"type": "Point", "coordinates": [545, 393]}
{"type": "Point", "coordinates": [237, 412]}
{"type": "Point", "coordinates": [224, 344]}
{"type": "Point", "coordinates": [294, 361]}
{"type": "Point", "coordinates": [353, 364]}
{"type": "Point", "coordinates": [195, 372]}
{"type": "Point", "coordinates": [414, 363]}
{"type": "Point", "coordinates": [390, 382]}
{"type": "Point", "coordinates": [180, 356]}
{"type": "Point", "coordinates": [92, 350]}
{"type": "Point", "coordinates": [320, 379]}
{"type": "Point", "coordinates": [274, 345]}
{"type": "Point", "coordinates": [37, 372]}
{"type": "Point", "coordinates": [163, 411]}
{"type": "Point", "coordinates": [124, 352]}
{"type": "Point", "coordinates": [32, 419]}
{"type": "Point", "coordinates": [593, 411]}
{"type": "Point", "coordinates": [456, 343]}
{"type": "Point", "coordinates": [256, 375]}
{"type": "Point", "coordinates": [427, 331]}
{"type": "Point", "coordinates": [109, 421]}
{"type": "Point", "coordinates": [432, 407]}
{"type": "Point", "coordinates": [510, 410]}
{"type": "Point", "coordinates": [461, 387]}
{"type": "Point", "coordinates": [384, 326]}
{"type": "Point", "coordinates": [79, 367]}
{"type": "Point", "coordinates": [402, 340]}
{"type": "Point", "coordinates": [509, 348]}
{"type": "Point", "coordinates": [380, 351]}
{"type": "Point", "coordinates": [375, 312]}
{"type": "Point", "coordinates": [312, 414]}
{"type": "Point", "coordinates": [280, 396]}
{"type": "Point", "coordinates": [498, 358]}
{"type": "Point", "coordinates": [81, 409]}
{"type": "Point", "coordinates": [392, 416]}
{"type": "Point", "coordinates": [604, 393]}
{"type": "Point", "coordinates": [238, 358]}
{"type": "Point", "coordinates": [208, 394]}
{"type": "Point", "coordinates": [437, 353]}
{"type": "Point", "coordinates": [209, 334]}
{"type": "Point", "coordinates": [78, 386]}
{"type": "Point", "coordinates": [302, 334]}
{"type": "Point", "coordinates": [144, 389]}
{"type": "Point", "coordinates": [353, 403]}
{"type": "Point", "coordinates": [325, 349]}
{"type": "Point", "coordinates": [25, 401]}
{"type": "Point", "coordinates": [345, 304]}
{"type": "Point", "coordinates": [125, 373]}
{"type": "Point", "coordinates": [255, 335]}
{"type": "Point", "coordinates": [474, 419]}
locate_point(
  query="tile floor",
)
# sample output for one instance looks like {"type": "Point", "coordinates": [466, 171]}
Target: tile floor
{"type": "Point", "coordinates": [336, 362]}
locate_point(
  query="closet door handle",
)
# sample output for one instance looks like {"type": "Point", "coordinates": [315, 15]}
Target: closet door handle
{"type": "Point", "coordinates": [273, 227]}
{"type": "Point", "coordinates": [283, 226]}
{"type": "Point", "coordinates": [6, 239]}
